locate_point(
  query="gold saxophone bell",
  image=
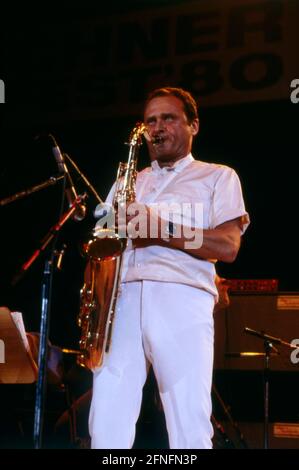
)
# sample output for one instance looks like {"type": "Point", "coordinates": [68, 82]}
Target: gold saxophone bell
{"type": "Point", "coordinates": [104, 251]}
{"type": "Point", "coordinates": [105, 244]}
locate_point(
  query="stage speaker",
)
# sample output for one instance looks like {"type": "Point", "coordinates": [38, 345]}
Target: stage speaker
{"type": "Point", "coordinates": [281, 436]}
{"type": "Point", "coordinates": [276, 314]}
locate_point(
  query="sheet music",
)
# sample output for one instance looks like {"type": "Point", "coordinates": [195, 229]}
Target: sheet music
{"type": "Point", "coordinates": [18, 321]}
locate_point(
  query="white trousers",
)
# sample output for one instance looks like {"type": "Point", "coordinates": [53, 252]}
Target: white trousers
{"type": "Point", "coordinates": [170, 326]}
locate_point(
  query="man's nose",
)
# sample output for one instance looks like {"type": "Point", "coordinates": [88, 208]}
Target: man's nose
{"type": "Point", "coordinates": [159, 125]}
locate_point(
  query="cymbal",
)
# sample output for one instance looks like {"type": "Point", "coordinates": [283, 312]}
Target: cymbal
{"type": "Point", "coordinates": [249, 354]}
{"type": "Point", "coordinates": [70, 351]}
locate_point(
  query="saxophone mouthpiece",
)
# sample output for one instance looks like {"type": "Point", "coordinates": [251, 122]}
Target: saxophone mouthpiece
{"type": "Point", "coordinates": [147, 136]}
{"type": "Point", "coordinates": [157, 140]}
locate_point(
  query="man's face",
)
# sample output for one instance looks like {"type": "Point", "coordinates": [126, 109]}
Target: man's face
{"type": "Point", "coordinates": [168, 125]}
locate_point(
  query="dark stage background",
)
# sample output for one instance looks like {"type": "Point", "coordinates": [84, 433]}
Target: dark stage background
{"type": "Point", "coordinates": [40, 63]}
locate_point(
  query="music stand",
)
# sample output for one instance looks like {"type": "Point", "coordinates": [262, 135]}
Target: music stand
{"type": "Point", "coordinates": [17, 365]}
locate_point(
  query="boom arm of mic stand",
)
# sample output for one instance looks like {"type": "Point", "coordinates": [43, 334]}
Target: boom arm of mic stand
{"type": "Point", "coordinates": [272, 339]}
{"type": "Point", "coordinates": [88, 184]}
{"type": "Point", "coordinates": [51, 181]}
{"type": "Point", "coordinates": [49, 236]}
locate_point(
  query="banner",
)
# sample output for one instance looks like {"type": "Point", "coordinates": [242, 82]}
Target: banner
{"type": "Point", "coordinates": [225, 52]}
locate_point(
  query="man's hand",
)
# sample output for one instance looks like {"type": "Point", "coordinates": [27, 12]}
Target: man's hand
{"type": "Point", "coordinates": [144, 226]}
{"type": "Point", "coordinates": [223, 298]}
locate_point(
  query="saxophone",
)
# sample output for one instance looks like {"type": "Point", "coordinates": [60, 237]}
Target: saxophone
{"type": "Point", "coordinates": [104, 251]}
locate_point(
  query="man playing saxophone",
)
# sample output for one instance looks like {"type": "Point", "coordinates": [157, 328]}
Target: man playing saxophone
{"type": "Point", "coordinates": [187, 215]}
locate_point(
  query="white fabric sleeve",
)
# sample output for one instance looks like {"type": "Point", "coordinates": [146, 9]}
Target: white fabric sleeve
{"type": "Point", "coordinates": [228, 200]}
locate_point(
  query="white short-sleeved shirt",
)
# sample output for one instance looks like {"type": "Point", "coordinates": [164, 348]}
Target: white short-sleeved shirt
{"type": "Point", "coordinates": [191, 181]}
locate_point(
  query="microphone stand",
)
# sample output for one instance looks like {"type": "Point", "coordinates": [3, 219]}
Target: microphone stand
{"type": "Point", "coordinates": [75, 206]}
{"type": "Point", "coordinates": [45, 314]}
{"type": "Point", "coordinates": [268, 347]}
{"type": "Point", "coordinates": [226, 410]}
{"type": "Point", "coordinates": [50, 182]}
{"type": "Point", "coordinates": [45, 317]}
{"type": "Point", "coordinates": [49, 236]}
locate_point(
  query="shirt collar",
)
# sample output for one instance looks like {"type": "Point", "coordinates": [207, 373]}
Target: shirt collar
{"type": "Point", "coordinates": [177, 167]}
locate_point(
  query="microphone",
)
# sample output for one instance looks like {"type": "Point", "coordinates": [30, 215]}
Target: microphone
{"type": "Point", "coordinates": [62, 168]}
{"type": "Point", "coordinates": [70, 191]}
